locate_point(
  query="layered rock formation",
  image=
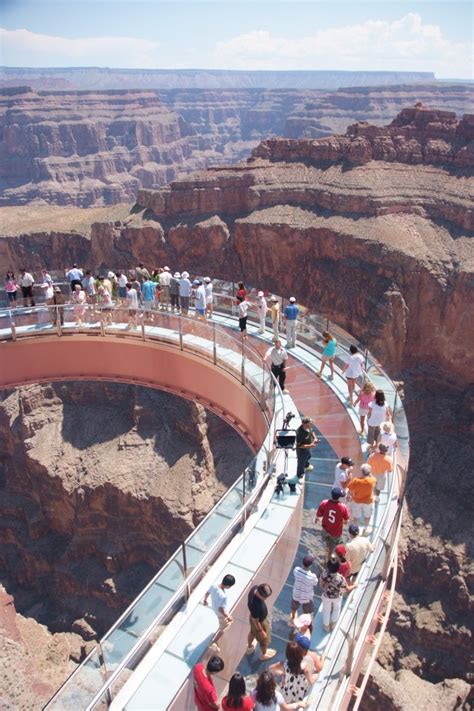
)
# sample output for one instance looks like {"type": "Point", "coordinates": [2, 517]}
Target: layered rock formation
{"type": "Point", "coordinates": [100, 147]}
{"type": "Point", "coordinates": [100, 483]}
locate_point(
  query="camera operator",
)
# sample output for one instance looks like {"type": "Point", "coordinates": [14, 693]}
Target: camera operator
{"type": "Point", "coordinates": [305, 440]}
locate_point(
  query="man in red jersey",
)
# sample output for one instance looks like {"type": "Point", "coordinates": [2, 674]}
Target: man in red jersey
{"type": "Point", "coordinates": [334, 515]}
{"type": "Point", "coordinates": [205, 694]}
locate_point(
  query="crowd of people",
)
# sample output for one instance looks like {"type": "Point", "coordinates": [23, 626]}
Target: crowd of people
{"type": "Point", "coordinates": [285, 684]}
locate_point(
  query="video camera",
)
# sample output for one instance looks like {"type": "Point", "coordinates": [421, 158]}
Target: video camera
{"type": "Point", "coordinates": [281, 482]}
{"type": "Point", "coordinates": [286, 438]}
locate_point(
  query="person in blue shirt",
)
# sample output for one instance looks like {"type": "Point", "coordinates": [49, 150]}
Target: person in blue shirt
{"type": "Point", "coordinates": [148, 293]}
{"type": "Point", "coordinates": [291, 317]}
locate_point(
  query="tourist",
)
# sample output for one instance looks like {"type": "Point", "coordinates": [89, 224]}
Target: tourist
{"type": "Point", "coordinates": [343, 472]}
{"type": "Point", "coordinates": [388, 437]}
{"type": "Point", "coordinates": [148, 292]}
{"type": "Point", "coordinates": [296, 676]}
{"type": "Point", "coordinates": [105, 302]}
{"type": "Point", "coordinates": [132, 305]}
{"type": "Point", "coordinates": [303, 587]}
{"type": "Point", "coordinates": [58, 302]}
{"type": "Point", "coordinates": [333, 514]}
{"type": "Point", "coordinates": [357, 549]}
{"type": "Point", "coordinates": [208, 288]}
{"type": "Point", "coordinates": [353, 369]}
{"type": "Point", "coordinates": [379, 412]}
{"type": "Point", "coordinates": [243, 310]}
{"type": "Point", "coordinates": [88, 284]}
{"type": "Point", "coordinates": [79, 301]}
{"type": "Point", "coordinates": [236, 698]}
{"type": "Point", "coordinates": [329, 352]}
{"type": "Point", "coordinates": [49, 298]}
{"type": "Point", "coordinates": [27, 283]}
{"type": "Point", "coordinates": [381, 465]}
{"type": "Point", "coordinates": [199, 299]}
{"type": "Point", "coordinates": [11, 288]}
{"type": "Point", "coordinates": [362, 494]}
{"type": "Point", "coordinates": [137, 285]}
{"type": "Point", "coordinates": [310, 658]}
{"type": "Point", "coordinates": [241, 291]}
{"type": "Point", "coordinates": [305, 441]}
{"type": "Point", "coordinates": [141, 273]}
{"type": "Point", "coordinates": [268, 698]}
{"type": "Point", "coordinates": [165, 281]}
{"type": "Point", "coordinates": [278, 356]}
{"type": "Point", "coordinates": [262, 308]}
{"type": "Point", "coordinates": [107, 283]}
{"type": "Point", "coordinates": [365, 397]}
{"type": "Point", "coordinates": [344, 565]}
{"type": "Point", "coordinates": [45, 278]}
{"type": "Point", "coordinates": [122, 287]}
{"type": "Point", "coordinates": [304, 625]}
{"type": "Point", "coordinates": [333, 585]}
{"type": "Point", "coordinates": [275, 315]}
{"type": "Point", "coordinates": [260, 630]}
{"type": "Point", "coordinates": [218, 594]}
{"type": "Point", "coordinates": [291, 312]}
{"type": "Point", "coordinates": [205, 694]}
{"type": "Point", "coordinates": [184, 292]}
{"type": "Point", "coordinates": [174, 291]}
{"type": "Point", "coordinates": [74, 277]}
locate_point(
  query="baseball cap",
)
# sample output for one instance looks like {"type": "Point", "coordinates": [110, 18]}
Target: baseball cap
{"type": "Point", "coordinates": [303, 641]}
{"type": "Point", "coordinates": [273, 298]}
{"type": "Point", "coordinates": [260, 293]}
{"type": "Point", "coordinates": [292, 299]}
{"type": "Point", "coordinates": [303, 621]}
{"type": "Point", "coordinates": [337, 493]}
{"type": "Point", "coordinates": [166, 269]}
{"type": "Point", "coordinates": [353, 529]}
{"type": "Point", "coordinates": [207, 279]}
{"type": "Point", "coordinates": [348, 461]}
{"type": "Point", "coordinates": [306, 418]}
{"type": "Point", "coordinates": [340, 550]}
{"type": "Point", "coordinates": [308, 560]}
{"type": "Point", "coordinates": [196, 282]}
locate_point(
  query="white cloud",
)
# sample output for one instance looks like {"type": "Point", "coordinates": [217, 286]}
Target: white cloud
{"type": "Point", "coordinates": [405, 44]}
{"type": "Point", "coordinates": [25, 48]}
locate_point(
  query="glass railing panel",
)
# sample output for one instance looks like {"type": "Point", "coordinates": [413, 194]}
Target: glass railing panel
{"type": "Point", "coordinates": [80, 691]}
{"type": "Point", "coordinates": [7, 318]}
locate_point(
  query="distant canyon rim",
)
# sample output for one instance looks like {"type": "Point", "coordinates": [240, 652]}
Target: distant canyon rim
{"type": "Point", "coordinates": [374, 230]}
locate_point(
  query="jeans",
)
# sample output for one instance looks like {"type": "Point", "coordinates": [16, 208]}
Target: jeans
{"type": "Point", "coordinates": [291, 333]}
{"type": "Point", "coordinates": [304, 457]}
{"type": "Point", "coordinates": [331, 610]}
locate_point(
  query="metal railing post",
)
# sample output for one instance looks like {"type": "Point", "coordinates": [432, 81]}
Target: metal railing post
{"type": "Point", "coordinates": [12, 325]}
{"type": "Point", "coordinates": [262, 394]}
{"type": "Point", "coordinates": [180, 329]}
{"type": "Point", "coordinates": [242, 374]}
{"type": "Point", "coordinates": [214, 346]}
{"type": "Point", "coordinates": [327, 324]}
{"type": "Point", "coordinates": [143, 326]}
{"type": "Point", "coordinates": [366, 359]}
{"type": "Point", "coordinates": [103, 669]}
{"type": "Point", "coordinates": [59, 320]}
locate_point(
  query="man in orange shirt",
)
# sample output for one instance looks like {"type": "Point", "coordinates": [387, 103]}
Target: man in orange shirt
{"type": "Point", "coordinates": [362, 495]}
{"type": "Point", "coordinates": [381, 465]}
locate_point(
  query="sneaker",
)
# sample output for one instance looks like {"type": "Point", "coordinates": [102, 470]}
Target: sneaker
{"type": "Point", "coordinates": [269, 655]}
{"type": "Point", "coordinates": [251, 649]}
{"type": "Point", "coordinates": [332, 626]}
{"type": "Point", "coordinates": [327, 628]}
{"type": "Point", "coordinates": [286, 392]}
{"type": "Point", "coordinates": [309, 468]}
{"type": "Point", "coordinates": [214, 648]}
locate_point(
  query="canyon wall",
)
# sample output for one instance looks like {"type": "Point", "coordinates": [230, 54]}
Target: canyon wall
{"type": "Point", "coordinates": [99, 485]}
{"type": "Point", "coordinates": [100, 147]}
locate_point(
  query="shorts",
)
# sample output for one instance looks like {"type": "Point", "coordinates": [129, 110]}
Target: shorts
{"type": "Point", "coordinates": [201, 312]}
{"type": "Point", "coordinates": [308, 607]}
{"type": "Point", "coordinates": [373, 434]}
{"type": "Point", "coordinates": [11, 295]}
{"type": "Point", "coordinates": [256, 632]}
{"type": "Point", "coordinates": [381, 481]}
{"type": "Point", "coordinates": [122, 292]}
{"type": "Point", "coordinates": [27, 291]}
{"type": "Point", "coordinates": [243, 323]}
{"type": "Point", "coordinates": [358, 510]}
{"type": "Point", "coordinates": [332, 540]}
{"type": "Point", "coordinates": [363, 411]}
{"type": "Point", "coordinates": [223, 623]}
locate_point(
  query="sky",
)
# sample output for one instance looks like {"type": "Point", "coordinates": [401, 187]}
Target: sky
{"type": "Point", "coordinates": [240, 34]}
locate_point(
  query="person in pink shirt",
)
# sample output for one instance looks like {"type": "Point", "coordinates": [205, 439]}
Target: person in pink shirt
{"type": "Point", "coordinates": [365, 397]}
